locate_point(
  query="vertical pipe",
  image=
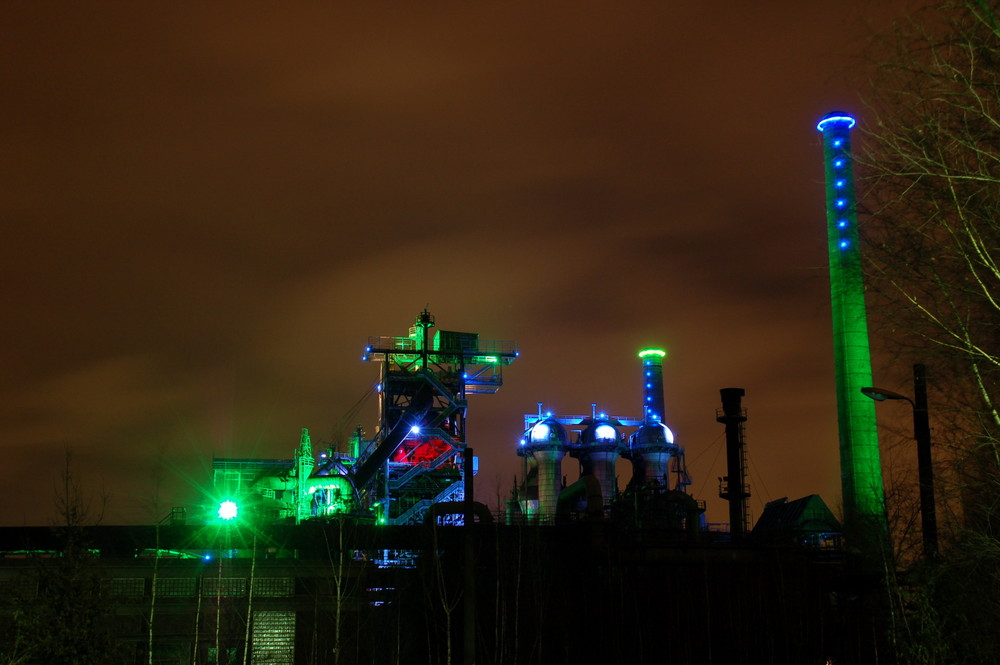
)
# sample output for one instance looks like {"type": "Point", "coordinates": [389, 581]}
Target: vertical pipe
{"type": "Point", "coordinates": [469, 574]}
{"type": "Point", "coordinates": [468, 476]}
{"type": "Point", "coordinates": [925, 471]}
{"type": "Point", "coordinates": [860, 466]}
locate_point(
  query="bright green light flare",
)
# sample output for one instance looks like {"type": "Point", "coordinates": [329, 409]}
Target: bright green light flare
{"type": "Point", "coordinates": [228, 510]}
{"type": "Point", "coordinates": [860, 465]}
{"type": "Point", "coordinates": [652, 352]}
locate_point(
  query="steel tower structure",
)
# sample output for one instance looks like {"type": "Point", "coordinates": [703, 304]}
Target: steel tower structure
{"type": "Point", "coordinates": [424, 382]}
{"type": "Point", "coordinates": [860, 465]}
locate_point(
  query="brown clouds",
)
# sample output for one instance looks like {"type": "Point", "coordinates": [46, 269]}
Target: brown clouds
{"type": "Point", "coordinates": [208, 208]}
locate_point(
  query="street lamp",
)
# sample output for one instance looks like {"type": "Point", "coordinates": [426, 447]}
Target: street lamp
{"type": "Point", "coordinates": [922, 434]}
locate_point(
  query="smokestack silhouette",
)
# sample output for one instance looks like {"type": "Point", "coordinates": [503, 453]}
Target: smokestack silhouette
{"type": "Point", "coordinates": [734, 488]}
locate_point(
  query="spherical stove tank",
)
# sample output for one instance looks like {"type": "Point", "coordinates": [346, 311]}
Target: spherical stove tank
{"type": "Point", "coordinates": [547, 432]}
{"type": "Point", "coordinates": [598, 433]}
{"type": "Point", "coordinates": [546, 442]}
{"type": "Point", "coordinates": [653, 434]}
{"type": "Point", "coordinates": [652, 448]}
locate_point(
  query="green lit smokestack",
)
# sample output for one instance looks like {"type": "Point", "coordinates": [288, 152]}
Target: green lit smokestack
{"type": "Point", "coordinates": [860, 466]}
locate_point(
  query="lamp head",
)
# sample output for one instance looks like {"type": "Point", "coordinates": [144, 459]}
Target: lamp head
{"type": "Point", "coordinates": [881, 394]}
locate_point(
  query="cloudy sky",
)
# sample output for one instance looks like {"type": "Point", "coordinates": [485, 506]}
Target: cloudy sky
{"type": "Point", "coordinates": [209, 207]}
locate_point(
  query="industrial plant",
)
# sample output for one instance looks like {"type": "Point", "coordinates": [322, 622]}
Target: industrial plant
{"type": "Point", "coordinates": [373, 549]}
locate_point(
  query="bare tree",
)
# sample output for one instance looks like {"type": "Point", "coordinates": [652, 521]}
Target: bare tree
{"type": "Point", "coordinates": [931, 165]}
{"type": "Point", "coordinates": [932, 168]}
{"type": "Point", "coordinates": [340, 561]}
{"type": "Point", "coordinates": [443, 598]}
{"type": "Point", "coordinates": [71, 619]}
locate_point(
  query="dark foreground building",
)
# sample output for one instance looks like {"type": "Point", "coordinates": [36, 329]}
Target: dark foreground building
{"type": "Point", "coordinates": [342, 592]}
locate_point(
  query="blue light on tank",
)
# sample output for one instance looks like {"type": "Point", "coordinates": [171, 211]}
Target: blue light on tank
{"type": "Point", "coordinates": [835, 118]}
{"type": "Point", "coordinates": [649, 385]}
{"type": "Point", "coordinates": [844, 244]}
{"type": "Point", "coordinates": [840, 183]}
{"type": "Point", "coordinates": [838, 163]}
{"type": "Point", "coordinates": [838, 142]}
{"type": "Point", "coordinates": [415, 429]}
{"type": "Point", "coordinates": [842, 224]}
{"type": "Point", "coordinates": [605, 433]}
{"type": "Point", "coordinates": [540, 432]}
{"type": "Point", "coordinates": [841, 203]}
{"type": "Point", "coordinates": [378, 387]}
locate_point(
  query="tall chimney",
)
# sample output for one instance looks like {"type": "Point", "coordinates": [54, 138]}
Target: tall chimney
{"type": "Point", "coordinates": [652, 384]}
{"type": "Point", "coordinates": [652, 446]}
{"type": "Point", "coordinates": [860, 466]}
{"type": "Point", "coordinates": [734, 488]}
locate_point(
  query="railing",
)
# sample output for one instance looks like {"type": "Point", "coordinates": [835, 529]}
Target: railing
{"type": "Point", "coordinates": [414, 514]}
{"type": "Point", "coordinates": [392, 343]}
{"type": "Point", "coordinates": [501, 348]}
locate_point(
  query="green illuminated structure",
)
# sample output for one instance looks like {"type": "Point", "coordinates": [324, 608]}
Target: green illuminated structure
{"type": "Point", "coordinates": [860, 466]}
{"type": "Point", "coordinates": [337, 493]}
{"type": "Point", "coordinates": [304, 463]}
{"type": "Point", "coordinates": [410, 464]}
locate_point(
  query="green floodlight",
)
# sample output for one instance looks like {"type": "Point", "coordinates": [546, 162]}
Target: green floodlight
{"type": "Point", "coordinates": [652, 352]}
{"type": "Point", "coordinates": [228, 510]}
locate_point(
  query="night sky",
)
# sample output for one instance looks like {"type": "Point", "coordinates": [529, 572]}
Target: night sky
{"type": "Point", "coordinates": [208, 208]}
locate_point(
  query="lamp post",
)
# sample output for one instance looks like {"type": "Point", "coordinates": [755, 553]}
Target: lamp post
{"type": "Point", "coordinates": [925, 471]}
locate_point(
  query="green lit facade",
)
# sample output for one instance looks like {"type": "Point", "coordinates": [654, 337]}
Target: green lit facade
{"type": "Point", "coordinates": [412, 462]}
{"type": "Point", "coordinates": [861, 468]}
